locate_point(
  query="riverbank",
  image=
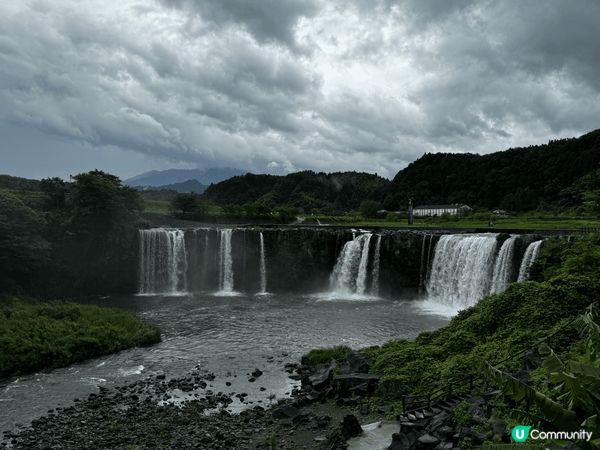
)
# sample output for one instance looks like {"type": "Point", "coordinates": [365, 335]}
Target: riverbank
{"type": "Point", "coordinates": [152, 413]}
{"type": "Point", "coordinates": [45, 335]}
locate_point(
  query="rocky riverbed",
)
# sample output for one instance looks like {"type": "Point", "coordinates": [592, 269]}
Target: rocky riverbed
{"type": "Point", "coordinates": [328, 411]}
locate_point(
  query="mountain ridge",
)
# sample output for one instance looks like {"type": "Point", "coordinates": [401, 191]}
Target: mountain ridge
{"type": "Point", "coordinates": [158, 178]}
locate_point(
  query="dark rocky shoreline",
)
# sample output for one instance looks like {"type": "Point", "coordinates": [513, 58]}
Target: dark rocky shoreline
{"type": "Point", "coordinates": [323, 414]}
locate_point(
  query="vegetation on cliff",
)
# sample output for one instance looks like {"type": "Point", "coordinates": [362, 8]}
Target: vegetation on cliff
{"type": "Point", "coordinates": [35, 336]}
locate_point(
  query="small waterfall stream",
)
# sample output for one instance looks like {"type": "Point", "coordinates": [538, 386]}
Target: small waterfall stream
{"type": "Point", "coordinates": [225, 262]}
{"type": "Point", "coordinates": [502, 273]}
{"type": "Point", "coordinates": [376, 265]}
{"type": "Point", "coordinates": [528, 258]}
{"type": "Point", "coordinates": [263, 267]}
{"type": "Point", "coordinates": [361, 280]}
{"type": "Point", "coordinates": [350, 276]}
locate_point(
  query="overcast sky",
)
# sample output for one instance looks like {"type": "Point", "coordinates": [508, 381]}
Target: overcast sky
{"type": "Point", "coordinates": [284, 85]}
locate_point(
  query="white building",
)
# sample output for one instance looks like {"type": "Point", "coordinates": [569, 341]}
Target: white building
{"type": "Point", "coordinates": [438, 210]}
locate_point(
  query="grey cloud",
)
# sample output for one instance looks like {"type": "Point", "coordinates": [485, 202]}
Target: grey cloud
{"type": "Point", "coordinates": [381, 84]}
{"type": "Point", "coordinates": [266, 20]}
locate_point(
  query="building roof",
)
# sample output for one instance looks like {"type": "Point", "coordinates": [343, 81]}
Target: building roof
{"type": "Point", "coordinates": [454, 205]}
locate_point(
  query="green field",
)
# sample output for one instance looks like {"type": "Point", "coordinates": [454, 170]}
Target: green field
{"type": "Point", "coordinates": [164, 207]}
{"type": "Point", "coordinates": [533, 221]}
{"type": "Point", "coordinates": [525, 221]}
{"type": "Point", "coordinates": [157, 206]}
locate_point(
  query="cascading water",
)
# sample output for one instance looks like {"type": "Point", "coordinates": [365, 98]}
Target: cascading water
{"type": "Point", "coordinates": [425, 257]}
{"type": "Point", "coordinates": [349, 276]}
{"type": "Point", "coordinates": [461, 269]}
{"type": "Point", "coordinates": [361, 280]}
{"type": "Point", "coordinates": [376, 262]}
{"type": "Point", "coordinates": [225, 262]}
{"type": "Point", "coordinates": [503, 267]}
{"type": "Point", "coordinates": [263, 267]}
{"type": "Point", "coordinates": [529, 257]}
{"type": "Point", "coordinates": [163, 262]}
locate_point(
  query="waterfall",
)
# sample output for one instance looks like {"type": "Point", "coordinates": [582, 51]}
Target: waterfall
{"type": "Point", "coordinates": [424, 260]}
{"type": "Point", "coordinates": [349, 276]}
{"type": "Point", "coordinates": [503, 272]}
{"type": "Point", "coordinates": [461, 269]}
{"type": "Point", "coordinates": [528, 258]}
{"type": "Point", "coordinates": [163, 262]}
{"type": "Point", "coordinates": [376, 258]}
{"type": "Point", "coordinates": [361, 280]}
{"type": "Point", "coordinates": [225, 261]}
{"type": "Point", "coordinates": [263, 266]}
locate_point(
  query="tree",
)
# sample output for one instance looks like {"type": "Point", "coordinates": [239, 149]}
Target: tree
{"type": "Point", "coordinates": [185, 204]}
{"type": "Point", "coordinates": [369, 208]}
{"type": "Point", "coordinates": [99, 202]}
{"type": "Point", "coordinates": [22, 248]}
{"type": "Point", "coordinates": [56, 192]}
{"type": "Point", "coordinates": [97, 250]}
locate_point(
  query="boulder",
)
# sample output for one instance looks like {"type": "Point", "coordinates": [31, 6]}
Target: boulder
{"type": "Point", "coordinates": [358, 363]}
{"type": "Point", "coordinates": [399, 442]}
{"type": "Point", "coordinates": [347, 383]}
{"type": "Point", "coordinates": [321, 378]}
{"type": "Point", "coordinates": [427, 441]}
{"type": "Point", "coordinates": [351, 427]}
{"type": "Point", "coordinates": [286, 412]}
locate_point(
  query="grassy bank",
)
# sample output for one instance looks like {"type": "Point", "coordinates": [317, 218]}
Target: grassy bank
{"type": "Point", "coordinates": [35, 336]}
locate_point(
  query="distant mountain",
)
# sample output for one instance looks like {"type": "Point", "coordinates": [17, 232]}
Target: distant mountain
{"type": "Point", "coordinates": [184, 187]}
{"type": "Point", "coordinates": [156, 178]}
{"type": "Point", "coordinates": [18, 183]}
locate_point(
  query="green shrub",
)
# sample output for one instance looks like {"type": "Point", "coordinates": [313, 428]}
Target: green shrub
{"type": "Point", "coordinates": [36, 336]}
{"type": "Point", "coordinates": [461, 414]}
{"type": "Point", "coordinates": [323, 355]}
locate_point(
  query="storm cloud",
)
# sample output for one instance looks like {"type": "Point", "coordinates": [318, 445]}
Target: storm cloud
{"type": "Point", "coordinates": [283, 85]}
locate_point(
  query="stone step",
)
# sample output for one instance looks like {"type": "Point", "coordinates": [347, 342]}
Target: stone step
{"type": "Point", "coordinates": [427, 412]}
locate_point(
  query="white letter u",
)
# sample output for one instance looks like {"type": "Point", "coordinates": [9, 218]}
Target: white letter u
{"type": "Point", "coordinates": [520, 433]}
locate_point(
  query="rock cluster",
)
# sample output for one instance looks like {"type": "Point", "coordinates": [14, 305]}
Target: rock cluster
{"type": "Point", "coordinates": [435, 428]}
{"type": "Point", "coordinates": [324, 414]}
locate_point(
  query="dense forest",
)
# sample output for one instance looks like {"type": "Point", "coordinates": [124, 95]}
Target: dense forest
{"type": "Point", "coordinates": [554, 175]}
{"type": "Point", "coordinates": [561, 174]}
{"type": "Point", "coordinates": [307, 190]}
